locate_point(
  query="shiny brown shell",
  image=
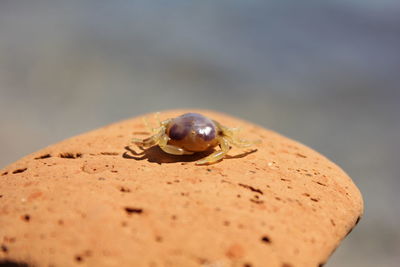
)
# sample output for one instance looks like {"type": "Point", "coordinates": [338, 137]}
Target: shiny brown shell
{"type": "Point", "coordinates": [193, 132]}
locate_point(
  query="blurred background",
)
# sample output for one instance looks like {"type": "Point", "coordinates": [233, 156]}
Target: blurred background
{"type": "Point", "coordinates": [325, 73]}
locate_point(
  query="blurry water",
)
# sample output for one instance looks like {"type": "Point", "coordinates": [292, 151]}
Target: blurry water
{"type": "Point", "coordinates": [325, 73]}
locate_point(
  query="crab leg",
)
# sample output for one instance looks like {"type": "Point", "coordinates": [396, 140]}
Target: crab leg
{"type": "Point", "coordinates": [152, 140]}
{"type": "Point", "coordinates": [217, 155]}
{"type": "Point", "coordinates": [170, 149]}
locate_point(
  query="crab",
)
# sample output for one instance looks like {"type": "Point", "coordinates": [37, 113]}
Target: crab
{"type": "Point", "coordinates": [191, 133]}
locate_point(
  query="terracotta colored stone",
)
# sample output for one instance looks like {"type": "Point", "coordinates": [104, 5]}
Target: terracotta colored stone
{"type": "Point", "coordinates": [98, 200]}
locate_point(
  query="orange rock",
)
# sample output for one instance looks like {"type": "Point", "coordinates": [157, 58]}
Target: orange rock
{"type": "Point", "coordinates": [98, 200]}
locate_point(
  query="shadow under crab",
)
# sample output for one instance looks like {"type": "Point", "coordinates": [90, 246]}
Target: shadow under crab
{"type": "Point", "coordinates": [155, 154]}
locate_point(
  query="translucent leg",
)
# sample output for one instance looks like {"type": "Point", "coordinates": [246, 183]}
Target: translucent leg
{"type": "Point", "coordinates": [217, 155]}
{"type": "Point", "coordinates": [242, 143]}
{"type": "Point", "coordinates": [159, 123]}
{"type": "Point", "coordinates": [147, 125]}
{"type": "Point", "coordinates": [230, 135]}
{"type": "Point", "coordinates": [174, 150]}
{"type": "Point", "coordinates": [158, 132]}
{"type": "Point", "coordinates": [170, 149]}
{"type": "Point", "coordinates": [152, 140]}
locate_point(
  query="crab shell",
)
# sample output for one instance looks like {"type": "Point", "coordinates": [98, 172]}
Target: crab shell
{"type": "Point", "coordinates": [193, 132]}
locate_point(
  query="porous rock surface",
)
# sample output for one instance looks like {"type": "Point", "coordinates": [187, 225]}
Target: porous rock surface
{"type": "Point", "coordinates": [98, 200]}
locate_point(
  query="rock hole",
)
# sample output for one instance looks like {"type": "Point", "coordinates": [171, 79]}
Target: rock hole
{"type": "Point", "coordinates": [68, 155]}
{"type": "Point", "coordinates": [333, 222]}
{"type": "Point", "coordinates": [19, 170]}
{"type": "Point", "coordinates": [321, 264]}
{"type": "Point", "coordinates": [26, 217]}
{"type": "Point", "coordinates": [4, 173]}
{"type": "Point", "coordinates": [4, 248]}
{"type": "Point", "coordinates": [301, 155]}
{"type": "Point", "coordinates": [227, 223]}
{"type": "Point", "coordinates": [124, 189]}
{"type": "Point", "coordinates": [1, 196]}
{"type": "Point", "coordinates": [251, 188]}
{"type": "Point", "coordinates": [9, 263]}
{"type": "Point", "coordinates": [78, 258]}
{"type": "Point", "coordinates": [174, 217]}
{"type": "Point", "coordinates": [320, 183]}
{"type": "Point", "coordinates": [159, 239]}
{"type": "Point", "coordinates": [257, 201]}
{"type": "Point", "coordinates": [247, 265]}
{"type": "Point", "coordinates": [314, 199]}
{"type": "Point", "coordinates": [286, 264]}
{"type": "Point", "coordinates": [45, 156]}
{"type": "Point", "coordinates": [357, 221]}
{"type": "Point", "coordinates": [130, 210]}
{"type": "Point", "coordinates": [109, 153]}
{"type": "Point", "coordinates": [265, 239]}
{"type": "Point", "coordinates": [306, 194]}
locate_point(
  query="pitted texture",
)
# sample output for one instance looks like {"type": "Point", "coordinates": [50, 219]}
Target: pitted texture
{"type": "Point", "coordinates": [97, 200]}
